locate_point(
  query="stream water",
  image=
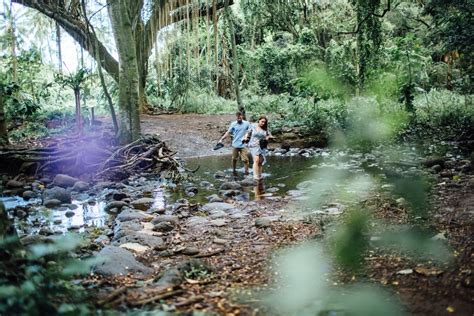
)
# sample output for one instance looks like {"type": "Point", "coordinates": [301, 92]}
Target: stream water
{"type": "Point", "coordinates": [282, 177]}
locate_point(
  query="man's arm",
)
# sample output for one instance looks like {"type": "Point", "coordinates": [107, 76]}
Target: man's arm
{"type": "Point", "coordinates": [224, 136]}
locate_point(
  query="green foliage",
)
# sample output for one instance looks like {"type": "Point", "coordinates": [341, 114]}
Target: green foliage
{"type": "Point", "coordinates": [443, 114]}
{"type": "Point", "coordinates": [74, 80]}
{"type": "Point", "coordinates": [320, 84]}
{"type": "Point", "coordinates": [350, 241]}
{"type": "Point", "coordinates": [37, 281]}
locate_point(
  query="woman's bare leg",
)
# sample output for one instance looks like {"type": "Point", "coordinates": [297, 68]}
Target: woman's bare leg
{"type": "Point", "coordinates": [256, 168]}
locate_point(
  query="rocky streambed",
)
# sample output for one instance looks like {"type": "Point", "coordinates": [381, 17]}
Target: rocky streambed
{"type": "Point", "coordinates": [198, 242]}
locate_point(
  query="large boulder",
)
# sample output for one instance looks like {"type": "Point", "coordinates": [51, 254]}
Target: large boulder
{"type": "Point", "coordinates": [64, 181]}
{"type": "Point", "coordinates": [57, 193]}
{"type": "Point", "coordinates": [80, 186]}
{"type": "Point", "coordinates": [143, 204]}
{"type": "Point", "coordinates": [119, 261]}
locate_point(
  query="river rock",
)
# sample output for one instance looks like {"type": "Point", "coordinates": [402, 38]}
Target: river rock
{"type": "Point", "coordinates": [214, 198]}
{"type": "Point", "coordinates": [64, 181]}
{"type": "Point", "coordinates": [70, 214]}
{"type": "Point", "coordinates": [80, 186]}
{"type": "Point", "coordinates": [206, 184]}
{"type": "Point", "coordinates": [190, 251]}
{"type": "Point", "coordinates": [146, 239]}
{"type": "Point", "coordinates": [230, 186]}
{"type": "Point", "coordinates": [304, 185]}
{"type": "Point", "coordinates": [165, 218]}
{"type": "Point", "coordinates": [119, 261]}
{"type": "Point", "coordinates": [28, 195]}
{"type": "Point", "coordinates": [436, 168]}
{"type": "Point", "coordinates": [229, 193]}
{"type": "Point", "coordinates": [197, 221]}
{"type": "Point", "coordinates": [57, 193]}
{"type": "Point", "coordinates": [135, 247]}
{"type": "Point", "coordinates": [163, 227]}
{"type": "Point", "coordinates": [143, 203]}
{"type": "Point", "coordinates": [219, 174]}
{"type": "Point", "coordinates": [247, 182]}
{"type": "Point", "coordinates": [218, 222]}
{"type": "Point", "coordinates": [130, 215]}
{"type": "Point", "coordinates": [34, 239]}
{"type": "Point", "coordinates": [52, 203]}
{"type": "Point", "coordinates": [119, 196]}
{"type": "Point", "coordinates": [115, 204]}
{"type": "Point", "coordinates": [217, 206]}
{"type": "Point", "coordinates": [264, 221]}
{"type": "Point", "coordinates": [243, 197]}
{"type": "Point", "coordinates": [123, 229]}
{"type": "Point", "coordinates": [191, 190]}
{"type": "Point", "coordinates": [14, 184]}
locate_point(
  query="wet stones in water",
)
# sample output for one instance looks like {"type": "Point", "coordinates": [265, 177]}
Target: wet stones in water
{"type": "Point", "coordinates": [52, 203]}
{"type": "Point", "coordinates": [119, 261]}
{"type": "Point", "coordinates": [64, 181]}
{"type": "Point", "coordinates": [436, 168]}
{"type": "Point", "coordinates": [80, 186]}
{"type": "Point", "coordinates": [243, 197]}
{"type": "Point", "coordinates": [119, 196]}
{"type": "Point", "coordinates": [305, 185]}
{"type": "Point", "coordinates": [143, 204]}
{"type": "Point", "coordinates": [191, 191]}
{"type": "Point", "coordinates": [219, 174]}
{"type": "Point", "coordinates": [118, 205]}
{"type": "Point", "coordinates": [206, 184]}
{"type": "Point", "coordinates": [57, 193]}
{"type": "Point", "coordinates": [247, 182]}
{"type": "Point", "coordinates": [163, 227]}
{"type": "Point", "coordinates": [230, 186]}
{"type": "Point", "coordinates": [214, 198]}
{"type": "Point", "coordinates": [70, 214]}
{"type": "Point", "coordinates": [229, 193]}
{"type": "Point", "coordinates": [45, 231]}
{"type": "Point", "coordinates": [14, 184]}
{"type": "Point", "coordinates": [28, 195]}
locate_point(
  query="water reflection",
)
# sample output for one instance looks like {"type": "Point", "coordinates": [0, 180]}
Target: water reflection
{"type": "Point", "coordinates": [259, 190]}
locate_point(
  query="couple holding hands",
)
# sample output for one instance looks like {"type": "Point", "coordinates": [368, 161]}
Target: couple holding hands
{"type": "Point", "coordinates": [252, 136]}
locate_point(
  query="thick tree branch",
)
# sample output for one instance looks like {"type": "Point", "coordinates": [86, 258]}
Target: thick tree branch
{"type": "Point", "coordinates": [77, 29]}
{"type": "Point", "coordinates": [359, 25]}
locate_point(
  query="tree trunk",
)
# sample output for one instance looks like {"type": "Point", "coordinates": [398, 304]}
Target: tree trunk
{"type": "Point", "coordinates": [235, 60]}
{"type": "Point", "coordinates": [128, 70]}
{"type": "Point", "coordinates": [77, 98]}
{"type": "Point", "coordinates": [3, 120]}
{"type": "Point", "coordinates": [13, 46]}
{"type": "Point", "coordinates": [216, 47]}
{"type": "Point", "coordinates": [58, 46]}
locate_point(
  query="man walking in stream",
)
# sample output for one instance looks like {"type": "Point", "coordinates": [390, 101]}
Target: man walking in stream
{"type": "Point", "coordinates": [238, 129]}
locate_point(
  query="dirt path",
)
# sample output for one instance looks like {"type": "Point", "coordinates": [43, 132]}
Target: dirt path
{"type": "Point", "coordinates": [190, 135]}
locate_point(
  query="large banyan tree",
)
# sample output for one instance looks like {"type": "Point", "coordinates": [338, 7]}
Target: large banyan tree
{"type": "Point", "coordinates": [134, 36]}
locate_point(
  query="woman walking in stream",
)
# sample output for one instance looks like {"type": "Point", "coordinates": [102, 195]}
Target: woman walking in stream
{"type": "Point", "coordinates": [259, 136]}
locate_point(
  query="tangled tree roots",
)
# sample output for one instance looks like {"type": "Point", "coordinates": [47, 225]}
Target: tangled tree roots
{"type": "Point", "coordinates": [92, 155]}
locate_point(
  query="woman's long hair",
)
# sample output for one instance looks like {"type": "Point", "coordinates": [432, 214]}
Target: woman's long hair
{"type": "Point", "coordinates": [264, 127]}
